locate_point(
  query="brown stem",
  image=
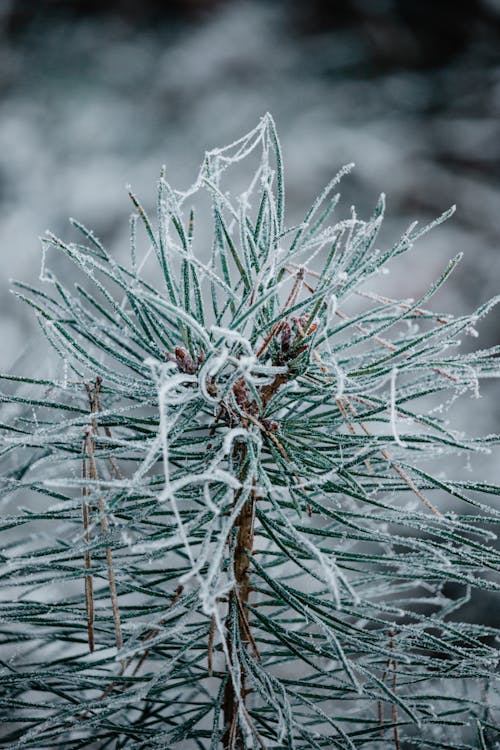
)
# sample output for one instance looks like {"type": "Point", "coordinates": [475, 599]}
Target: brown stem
{"type": "Point", "coordinates": [233, 739]}
{"type": "Point", "coordinates": [89, 445]}
{"type": "Point", "coordinates": [268, 391]}
{"type": "Point", "coordinates": [232, 702]}
{"type": "Point", "coordinates": [109, 557]}
{"type": "Point", "coordinates": [94, 396]}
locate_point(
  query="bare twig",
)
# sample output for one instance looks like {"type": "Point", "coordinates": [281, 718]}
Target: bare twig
{"type": "Point", "coordinates": [93, 475]}
{"type": "Point", "coordinates": [232, 738]}
{"type": "Point", "coordinates": [89, 450]}
{"type": "Point", "coordinates": [94, 396]}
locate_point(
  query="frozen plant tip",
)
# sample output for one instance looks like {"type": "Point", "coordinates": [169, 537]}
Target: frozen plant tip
{"type": "Point", "coordinates": [238, 525]}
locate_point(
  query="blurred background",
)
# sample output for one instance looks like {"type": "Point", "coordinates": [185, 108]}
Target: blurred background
{"type": "Point", "coordinates": [98, 94]}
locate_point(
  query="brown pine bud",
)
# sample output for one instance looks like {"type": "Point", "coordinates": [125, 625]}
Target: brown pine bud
{"type": "Point", "coordinates": [302, 322]}
{"type": "Point", "coordinates": [240, 390]}
{"type": "Point", "coordinates": [286, 337]}
{"type": "Point", "coordinates": [269, 425]}
{"type": "Point", "coordinates": [184, 361]}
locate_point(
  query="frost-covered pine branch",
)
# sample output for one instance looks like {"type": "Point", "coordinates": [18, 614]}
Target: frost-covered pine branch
{"type": "Point", "coordinates": [236, 525]}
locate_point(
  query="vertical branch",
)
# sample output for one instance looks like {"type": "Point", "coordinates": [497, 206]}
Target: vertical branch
{"type": "Point", "coordinates": [238, 597]}
{"type": "Point", "coordinates": [94, 476]}
{"type": "Point", "coordinates": [232, 739]}
{"type": "Point", "coordinates": [94, 396]}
